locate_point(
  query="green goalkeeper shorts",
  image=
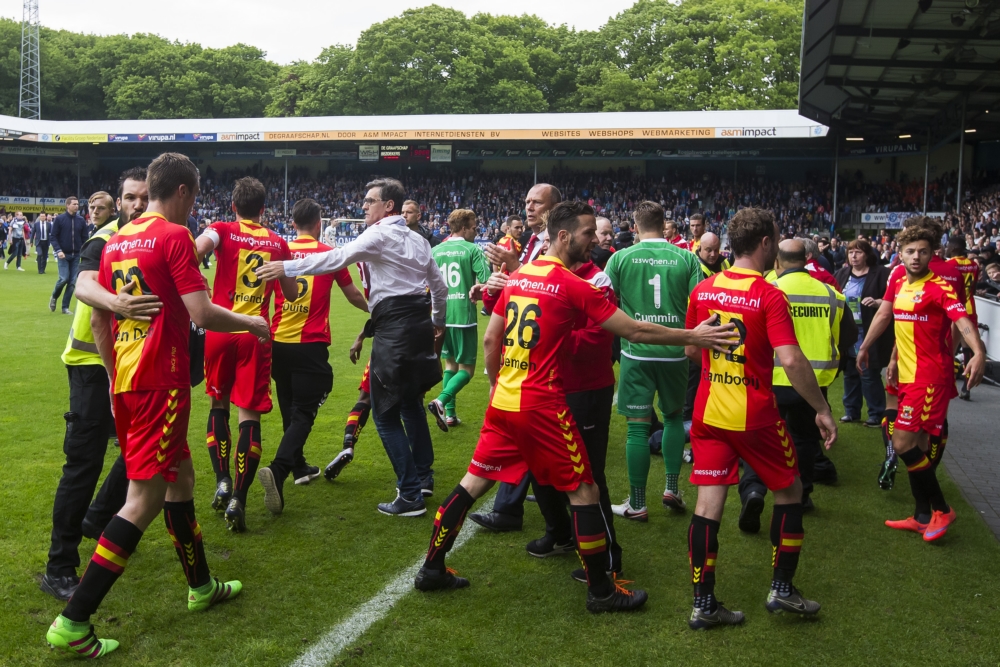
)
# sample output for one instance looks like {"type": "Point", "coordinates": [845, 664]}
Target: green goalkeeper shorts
{"type": "Point", "coordinates": [638, 381]}
{"type": "Point", "coordinates": [461, 345]}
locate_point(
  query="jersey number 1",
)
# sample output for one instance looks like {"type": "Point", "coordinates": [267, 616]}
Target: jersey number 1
{"type": "Point", "coordinates": [655, 282]}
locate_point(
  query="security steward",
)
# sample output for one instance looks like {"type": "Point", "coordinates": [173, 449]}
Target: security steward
{"type": "Point", "coordinates": [89, 422]}
{"type": "Point", "coordinates": [820, 326]}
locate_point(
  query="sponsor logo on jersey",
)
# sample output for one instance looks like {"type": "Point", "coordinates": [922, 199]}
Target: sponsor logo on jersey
{"type": "Point", "coordinates": [726, 299]}
{"type": "Point", "coordinates": [526, 284]}
{"type": "Point", "coordinates": [713, 473]}
{"type": "Point", "coordinates": [728, 378]}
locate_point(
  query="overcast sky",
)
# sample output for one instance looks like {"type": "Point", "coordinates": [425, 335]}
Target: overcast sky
{"type": "Point", "coordinates": [287, 30]}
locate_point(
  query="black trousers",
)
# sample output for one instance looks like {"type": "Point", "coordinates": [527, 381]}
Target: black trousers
{"type": "Point", "coordinates": [88, 425]}
{"type": "Point", "coordinates": [592, 412]}
{"type": "Point", "coordinates": [800, 418]}
{"type": "Point", "coordinates": [42, 255]}
{"type": "Point", "coordinates": [303, 378]}
{"type": "Point", "coordinates": [694, 379]}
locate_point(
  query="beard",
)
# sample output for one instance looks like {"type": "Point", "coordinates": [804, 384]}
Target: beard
{"type": "Point", "coordinates": [578, 253]}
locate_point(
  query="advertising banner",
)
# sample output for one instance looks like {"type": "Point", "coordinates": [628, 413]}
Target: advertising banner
{"type": "Point", "coordinates": [75, 138]}
{"type": "Point", "coordinates": [240, 136]}
{"type": "Point", "coordinates": [893, 220]}
{"type": "Point", "coordinates": [898, 148]}
{"type": "Point", "coordinates": [284, 152]}
{"type": "Point", "coordinates": [368, 153]}
{"type": "Point", "coordinates": [172, 137]}
{"type": "Point", "coordinates": [440, 152]}
{"type": "Point", "coordinates": [37, 152]}
{"type": "Point", "coordinates": [11, 204]}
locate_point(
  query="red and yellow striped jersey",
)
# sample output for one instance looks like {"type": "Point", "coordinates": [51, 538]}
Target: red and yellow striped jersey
{"type": "Point", "coordinates": [307, 319]}
{"type": "Point", "coordinates": [508, 242]}
{"type": "Point", "coordinates": [923, 311]}
{"type": "Point", "coordinates": [242, 248]}
{"type": "Point", "coordinates": [540, 305]}
{"type": "Point", "coordinates": [735, 389]}
{"type": "Point", "coordinates": [970, 276]}
{"type": "Point", "coordinates": [160, 256]}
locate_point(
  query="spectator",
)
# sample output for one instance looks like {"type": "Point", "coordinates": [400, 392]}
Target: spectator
{"type": "Point", "coordinates": [863, 282]}
{"type": "Point", "coordinates": [16, 236]}
{"type": "Point", "coordinates": [41, 232]}
{"type": "Point", "coordinates": [69, 233]}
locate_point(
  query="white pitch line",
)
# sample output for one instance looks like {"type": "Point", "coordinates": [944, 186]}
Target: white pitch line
{"type": "Point", "coordinates": [351, 628]}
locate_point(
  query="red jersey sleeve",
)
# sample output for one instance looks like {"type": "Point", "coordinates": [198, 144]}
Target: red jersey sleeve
{"type": "Point", "coordinates": [780, 329]}
{"type": "Point", "coordinates": [591, 300]}
{"type": "Point", "coordinates": [892, 287]}
{"type": "Point", "coordinates": [182, 258]}
{"type": "Point", "coordinates": [221, 230]}
{"type": "Point", "coordinates": [953, 308]}
{"type": "Point", "coordinates": [343, 277]}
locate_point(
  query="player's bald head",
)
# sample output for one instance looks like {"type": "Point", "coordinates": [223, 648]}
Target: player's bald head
{"type": "Point", "coordinates": [791, 254]}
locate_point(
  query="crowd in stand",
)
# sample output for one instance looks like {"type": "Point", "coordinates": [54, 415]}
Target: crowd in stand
{"type": "Point", "coordinates": [800, 208]}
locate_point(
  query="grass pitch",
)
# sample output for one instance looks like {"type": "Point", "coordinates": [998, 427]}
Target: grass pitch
{"type": "Point", "coordinates": [887, 598]}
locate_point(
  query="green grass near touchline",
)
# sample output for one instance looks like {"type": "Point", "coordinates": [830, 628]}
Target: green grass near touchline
{"type": "Point", "coordinates": [308, 569]}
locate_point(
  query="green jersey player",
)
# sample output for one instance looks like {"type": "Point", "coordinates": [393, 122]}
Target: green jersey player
{"type": "Point", "coordinates": [652, 280]}
{"type": "Point", "coordinates": [463, 265]}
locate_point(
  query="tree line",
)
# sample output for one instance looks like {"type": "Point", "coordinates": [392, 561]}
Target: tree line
{"type": "Point", "coordinates": [655, 56]}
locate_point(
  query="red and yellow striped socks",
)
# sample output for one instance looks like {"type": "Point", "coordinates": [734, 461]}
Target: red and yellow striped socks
{"type": "Point", "coordinates": [592, 545]}
{"type": "Point", "coordinates": [248, 452]}
{"type": "Point", "coordinates": [703, 550]}
{"type": "Point", "coordinates": [786, 543]}
{"type": "Point", "coordinates": [185, 533]}
{"type": "Point", "coordinates": [116, 544]}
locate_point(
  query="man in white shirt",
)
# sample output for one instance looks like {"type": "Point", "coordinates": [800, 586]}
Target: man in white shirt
{"type": "Point", "coordinates": [406, 339]}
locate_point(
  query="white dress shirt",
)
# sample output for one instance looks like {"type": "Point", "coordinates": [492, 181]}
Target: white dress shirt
{"type": "Point", "coordinates": [399, 260]}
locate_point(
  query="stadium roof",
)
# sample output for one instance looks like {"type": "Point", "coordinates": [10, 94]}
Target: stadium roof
{"type": "Point", "coordinates": [877, 68]}
{"type": "Point", "coordinates": [437, 128]}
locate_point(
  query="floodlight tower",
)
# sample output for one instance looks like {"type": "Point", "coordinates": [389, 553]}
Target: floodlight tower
{"type": "Point", "coordinates": [30, 102]}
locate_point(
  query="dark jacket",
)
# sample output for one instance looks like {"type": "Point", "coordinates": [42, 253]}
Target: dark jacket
{"type": "Point", "coordinates": [427, 234]}
{"type": "Point", "coordinates": [404, 363]}
{"type": "Point", "coordinates": [875, 284]}
{"type": "Point", "coordinates": [69, 233]}
{"type": "Point", "coordinates": [36, 231]}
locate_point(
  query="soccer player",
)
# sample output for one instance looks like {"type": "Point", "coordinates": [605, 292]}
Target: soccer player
{"type": "Point", "coordinates": [924, 306]}
{"type": "Point", "coordinates": [462, 265]}
{"type": "Point", "coordinates": [935, 445]}
{"type": "Point", "coordinates": [697, 225]}
{"type": "Point", "coordinates": [958, 257]}
{"type": "Point", "coordinates": [652, 280]}
{"type": "Point", "coordinates": [89, 420]}
{"type": "Point", "coordinates": [736, 417]}
{"type": "Point", "coordinates": [528, 425]}
{"type": "Point", "coordinates": [155, 254]}
{"type": "Point", "coordinates": [238, 365]}
{"type": "Point", "coordinates": [673, 236]}
{"type": "Point", "coordinates": [510, 242]}
{"type": "Point", "coordinates": [300, 355]}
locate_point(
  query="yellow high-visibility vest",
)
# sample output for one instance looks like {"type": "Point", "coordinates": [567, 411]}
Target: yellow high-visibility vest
{"type": "Point", "coordinates": [816, 310]}
{"type": "Point", "coordinates": [709, 272]}
{"type": "Point", "coordinates": [80, 347]}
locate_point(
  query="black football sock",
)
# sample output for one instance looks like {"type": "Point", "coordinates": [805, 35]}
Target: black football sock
{"type": "Point", "coordinates": [447, 522]}
{"type": "Point", "coordinates": [935, 450]}
{"type": "Point", "coordinates": [888, 426]}
{"type": "Point", "coordinates": [220, 442]}
{"type": "Point", "coordinates": [923, 481]}
{"type": "Point", "coordinates": [247, 459]}
{"type": "Point", "coordinates": [185, 533]}
{"type": "Point", "coordinates": [786, 543]}
{"type": "Point", "coordinates": [592, 545]}
{"type": "Point", "coordinates": [356, 420]}
{"type": "Point", "coordinates": [703, 549]}
{"type": "Point", "coordinates": [114, 547]}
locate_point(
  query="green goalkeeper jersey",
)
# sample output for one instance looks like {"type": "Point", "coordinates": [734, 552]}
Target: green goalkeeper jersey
{"type": "Point", "coordinates": [653, 280]}
{"type": "Point", "coordinates": [462, 265]}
